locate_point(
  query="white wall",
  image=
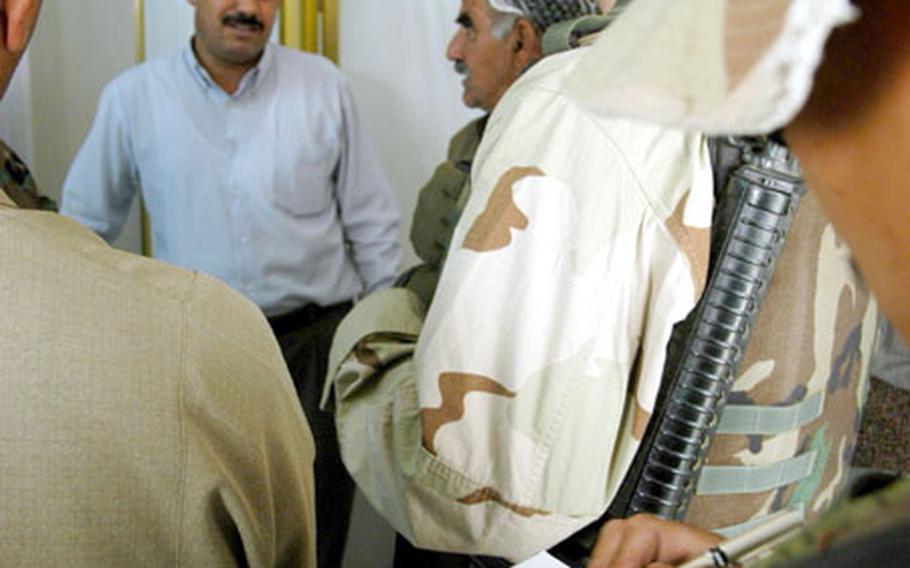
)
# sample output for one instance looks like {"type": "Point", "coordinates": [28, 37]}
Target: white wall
{"type": "Point", "coordinates": [168, 26]}
{"type": "Point", "coordinates": [394, 53]}
{"type": "Point", "coordinates": [78, 47]}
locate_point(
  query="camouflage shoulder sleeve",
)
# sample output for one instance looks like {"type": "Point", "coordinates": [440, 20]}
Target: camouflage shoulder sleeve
{"type": "Point", "coordinates": [849, 522]}
{"type": "Point", "coordinates": [569, 34]}
{"type": "Point", "coordinates": [17, 182]}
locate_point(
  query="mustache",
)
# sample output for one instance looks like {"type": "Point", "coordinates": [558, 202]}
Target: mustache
{"type": "Point", "coordinates": [461, 68]}
{"type": "Point", "coordinates": [243, 19]}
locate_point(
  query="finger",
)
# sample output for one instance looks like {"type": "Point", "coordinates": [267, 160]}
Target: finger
{"type": "Point", "coordinates": [630, 543]}
{"type": "Point", "coordinates": [680, 542]}
{"type": "Point", "coordinates": [608, 541]}
{"type": "Point", "coordinates": [641, 543]}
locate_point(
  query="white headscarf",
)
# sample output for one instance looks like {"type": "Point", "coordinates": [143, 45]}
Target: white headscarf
{"type": "Point", "coordinates": [719, 66]}
{"type": "Point", "coordinates": [545, 13]}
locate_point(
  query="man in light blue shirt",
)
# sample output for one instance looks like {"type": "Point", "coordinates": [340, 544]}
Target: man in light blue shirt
{"type": "Point", "coordinates": [255, 168]}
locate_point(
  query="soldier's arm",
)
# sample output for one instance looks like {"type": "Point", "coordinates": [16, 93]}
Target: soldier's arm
{"type": "Point", "coordinates": [252, 452]}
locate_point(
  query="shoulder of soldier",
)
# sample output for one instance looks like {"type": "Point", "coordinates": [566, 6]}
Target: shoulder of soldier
{"type": "Point", "coordinates": [572, 33]}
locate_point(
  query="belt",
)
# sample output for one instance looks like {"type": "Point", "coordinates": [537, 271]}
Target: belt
{"type": "Point", "coordinates": [303, 316]}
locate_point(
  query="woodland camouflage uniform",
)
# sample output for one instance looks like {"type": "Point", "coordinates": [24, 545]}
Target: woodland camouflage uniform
{"type": "Point", "coordinates": [17, 184]}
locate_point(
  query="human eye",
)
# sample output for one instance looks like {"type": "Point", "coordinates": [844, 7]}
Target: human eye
{"type": "Point", "coordinates": [465, 22]}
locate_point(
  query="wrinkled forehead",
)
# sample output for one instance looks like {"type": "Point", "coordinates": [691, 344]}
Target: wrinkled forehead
{"type": "Point", "coordinates": [477, 14]}
{"type": "Point", "coordinates": [477, 7]}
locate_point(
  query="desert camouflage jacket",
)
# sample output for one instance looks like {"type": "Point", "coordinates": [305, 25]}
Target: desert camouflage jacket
{"type": "Point", "coordinates": [17, 185]}
{"type": "Point", "coordinates": [506, 421]}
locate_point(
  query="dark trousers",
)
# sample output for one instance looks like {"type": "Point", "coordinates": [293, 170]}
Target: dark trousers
{"type": "Point", "coordinates": [305, 337]}
{"type": "Point", "coordinates": [407, 556]}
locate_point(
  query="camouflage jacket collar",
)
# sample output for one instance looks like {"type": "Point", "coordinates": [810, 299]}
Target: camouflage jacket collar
{"type": "Point", "coordinates": [17, 187]}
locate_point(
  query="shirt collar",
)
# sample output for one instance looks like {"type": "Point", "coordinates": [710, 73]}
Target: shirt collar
{"type": "Point", "coordinates": [249, 81]}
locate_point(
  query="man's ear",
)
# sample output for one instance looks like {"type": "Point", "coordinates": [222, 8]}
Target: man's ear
{"type": "Point", "coordinates": [525, 43]}
{"type": "Point", "coordinates": [21, 16]}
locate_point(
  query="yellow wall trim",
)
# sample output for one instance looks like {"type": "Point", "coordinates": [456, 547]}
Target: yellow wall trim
{"type": "Point", "coordinates": [145, 223]}
{"type": "Point", "coordinates": [310, 25]}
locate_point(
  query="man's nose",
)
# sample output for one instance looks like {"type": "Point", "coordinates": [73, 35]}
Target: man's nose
{"type": "Point", "coordinates": [247, 6]}
{"type": "Point", "coordinates": [455, 50]}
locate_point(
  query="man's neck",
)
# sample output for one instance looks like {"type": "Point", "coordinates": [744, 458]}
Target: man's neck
{"type": "Point", "coordinates": [225, 74]}
{"type": "Point", "coordinates": [856, 160]}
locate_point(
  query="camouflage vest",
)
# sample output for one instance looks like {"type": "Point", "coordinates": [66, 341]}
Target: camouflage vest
{"type": "Point", "coordinates": [439, 207]}
{"type": "Point", "coordinates": [17, 184]}
{"type": "Point", "coordinates": [787, 435]}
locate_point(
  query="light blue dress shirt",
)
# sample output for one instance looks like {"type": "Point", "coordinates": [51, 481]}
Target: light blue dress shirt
{"type": "Point", "coordinates": [275, 189]}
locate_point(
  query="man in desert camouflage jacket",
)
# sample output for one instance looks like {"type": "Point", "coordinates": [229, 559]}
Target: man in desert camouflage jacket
{"type": "Point", "coordinates": [491, 62]}
{"type": "Point", "coordinates": [505, 422]}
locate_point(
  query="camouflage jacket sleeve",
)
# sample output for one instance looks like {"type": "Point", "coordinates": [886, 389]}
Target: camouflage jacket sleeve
{"type": "Point", "coordinates": [849, 525]}
{"type": "Point", "coordinates": [506, 421]}
{"type": "Point", "coordinates": [17, 184]}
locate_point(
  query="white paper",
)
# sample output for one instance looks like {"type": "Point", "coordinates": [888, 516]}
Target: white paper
{"type": "Point", "coordinates": [542, 560]}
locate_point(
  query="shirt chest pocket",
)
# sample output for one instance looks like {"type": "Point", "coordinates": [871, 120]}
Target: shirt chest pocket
{"type": "Point", "coordinates": [304, 184]}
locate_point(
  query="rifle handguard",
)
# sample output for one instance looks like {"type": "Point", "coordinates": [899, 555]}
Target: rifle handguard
{"type": "Point", "coordinates": [707, 348]}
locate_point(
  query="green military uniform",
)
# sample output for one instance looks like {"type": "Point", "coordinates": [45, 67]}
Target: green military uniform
{"type": "Point", "coordinates": [788, 431]}
{"type": "Point", "coordinates": [870, 530]}
{"type": "Point", "coordinates": [439, 206]}
{"type": "Point", "coordinates": [17, 184]}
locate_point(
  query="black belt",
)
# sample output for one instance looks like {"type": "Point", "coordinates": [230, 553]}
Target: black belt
{"type": "Point", "coordinates": [303, 316]}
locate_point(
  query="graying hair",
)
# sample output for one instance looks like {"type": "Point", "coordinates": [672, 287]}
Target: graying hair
{"type": "Point", "coordinates": [502, 23]}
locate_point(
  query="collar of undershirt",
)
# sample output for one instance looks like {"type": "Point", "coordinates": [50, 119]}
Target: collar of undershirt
{"type": "Point", "coordinates": [250, 80]}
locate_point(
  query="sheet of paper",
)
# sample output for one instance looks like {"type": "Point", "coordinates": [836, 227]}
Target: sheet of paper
{"type": "Point", "coordinates": [542, 560]}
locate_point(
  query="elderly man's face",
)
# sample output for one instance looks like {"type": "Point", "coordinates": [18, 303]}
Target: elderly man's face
{"type": "Point", "coordinates": [484, 60]}
{"type": "Point", "coordinates": [234, 32]}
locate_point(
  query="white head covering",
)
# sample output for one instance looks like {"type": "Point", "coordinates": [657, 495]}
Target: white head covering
{"type": "Point", "coordinates": [720, 66]}
{"type": "Point", "coordinates": [545, 13]}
